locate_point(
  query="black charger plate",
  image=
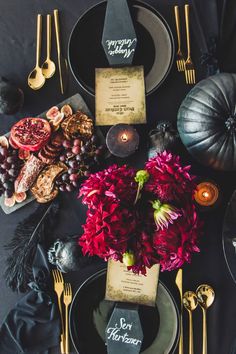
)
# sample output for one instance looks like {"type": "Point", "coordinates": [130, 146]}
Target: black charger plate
{"type": "Point", "coordinates": [89, 315]}
{"type": "Point", "coordinates": [155, 48]}
{"type": "Point", "coordinates": [229, 236]}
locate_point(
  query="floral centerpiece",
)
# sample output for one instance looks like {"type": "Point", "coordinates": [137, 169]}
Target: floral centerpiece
{"type": "Point", "coordinates": [142, 217]}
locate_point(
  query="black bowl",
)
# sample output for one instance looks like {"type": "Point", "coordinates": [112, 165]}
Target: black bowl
{"type": "Point", "coordinates": [155, 47]}
{"type": "Point", "coordinates": [89, 315]}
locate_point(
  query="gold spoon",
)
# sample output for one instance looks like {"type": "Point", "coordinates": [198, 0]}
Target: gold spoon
{"type": "Point", "coordinates": [190, 303]}
{"type": "Point", "coordinates": [205, 296]}
{"type": "Point", "coordinates": [36, 79]}
{"type": "Point", "coordinates": [48, 66]}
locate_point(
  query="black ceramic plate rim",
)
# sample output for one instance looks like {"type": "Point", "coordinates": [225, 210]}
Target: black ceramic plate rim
{"type": "Point", "coordinates": [226, 239]}
{"type": "Point", "coordinates": [97, 274]}
{"type": "Point", "coordinates": [140, 4]}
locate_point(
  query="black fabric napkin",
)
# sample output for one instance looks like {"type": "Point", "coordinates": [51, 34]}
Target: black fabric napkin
{"type": "Point", "coordinates": [33, 326]}
{"type": "Point", "coordinates": [227, 45]}
{"type": "Point", "coordinates": [205, 25]}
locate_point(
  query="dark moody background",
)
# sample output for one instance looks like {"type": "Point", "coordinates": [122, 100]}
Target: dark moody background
{"type": "Point", "coordinates": [17, 58]}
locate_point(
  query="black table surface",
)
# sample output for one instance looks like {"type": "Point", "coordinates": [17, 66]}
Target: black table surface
{"type": "Point", "coordinates": [17, 58]}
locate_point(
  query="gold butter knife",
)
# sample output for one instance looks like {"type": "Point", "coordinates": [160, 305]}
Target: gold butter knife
{"type": "Point", "coordinates": [61, 60]}
{"type": "Point", "coordinates": [179, 283]}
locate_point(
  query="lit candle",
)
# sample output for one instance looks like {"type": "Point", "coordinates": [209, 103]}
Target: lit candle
{"type": "Point", "coordinates": [122, 140]}
{"type": "Point", "coordinates": [207, 194]}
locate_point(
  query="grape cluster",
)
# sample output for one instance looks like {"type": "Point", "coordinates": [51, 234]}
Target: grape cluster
{"type": "Point", "coordinates": [81, 157]}
{"type": "Point", "coordinates": [10, 166]}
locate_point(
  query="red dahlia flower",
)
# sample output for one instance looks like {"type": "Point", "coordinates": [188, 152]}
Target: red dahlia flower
{"type": "Point", "coordinates": [115, 182]}
{"type": "Point", "coordinates": [107, 230]}
{"type": "Point", "coordinates": [169, 180]}
{"type": "Point", "coordinates": [176, 244]}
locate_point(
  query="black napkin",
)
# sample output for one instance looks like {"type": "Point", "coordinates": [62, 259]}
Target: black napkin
{"type": "Point", "coordinates": [227, 45]}
{"type": "Point", "coordinates": [205, 25]}
{"type": "Point", "coordinates": [33, 326]}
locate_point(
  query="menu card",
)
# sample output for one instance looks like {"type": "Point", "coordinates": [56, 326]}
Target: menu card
{"type": "Point", "coordinates": [120, 96]}
{"type": "Point", "coordinates": [124, 285]}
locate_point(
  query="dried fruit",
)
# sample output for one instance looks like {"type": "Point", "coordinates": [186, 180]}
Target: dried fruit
{"type": "Point", "coordinates": [4, 141]}
{"type": "Point", "coordinates": [20, 197]}
{"type": "Point", "coordinates": [30, 133]}
{"type": "Point", "coordinates": [52, 112]}
{"type": "Point", "coordinates": [10, 202]}
{"type": "Point", "coordinates": [67, 110]}
{"type": "Point", "coordinates": [23, 154]}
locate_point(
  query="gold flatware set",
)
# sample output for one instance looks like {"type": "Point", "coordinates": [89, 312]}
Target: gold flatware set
{"type": "Point", "coordinates": [38, 75]}
{"type": "Point", "coordinates": [64, 289]}
{"type": "Point", "coordinates": [204, 297]}
{"type": "Point", "coordinates": [184, 65]}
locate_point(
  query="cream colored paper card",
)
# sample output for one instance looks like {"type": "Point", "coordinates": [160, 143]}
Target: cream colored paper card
{"type": "Point", "coordinates": [123, 285]}
{"type": "Point", "coordinates": [120, 96]}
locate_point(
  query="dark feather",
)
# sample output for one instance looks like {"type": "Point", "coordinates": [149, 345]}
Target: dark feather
{"type": "Point", "coordinates": [28, 233]}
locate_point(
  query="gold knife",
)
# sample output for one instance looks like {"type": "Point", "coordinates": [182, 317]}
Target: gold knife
{"type": "Point", "coordinates": [179, 283]}
{"type": "Point", "coordinates": [61, 60]}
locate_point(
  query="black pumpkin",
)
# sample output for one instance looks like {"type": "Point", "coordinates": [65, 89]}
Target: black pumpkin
{"type": "Point", "coordinates": [207, 121]}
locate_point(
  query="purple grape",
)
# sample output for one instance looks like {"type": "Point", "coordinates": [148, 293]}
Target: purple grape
{"type": "Point", "coordinates": [12, 172]}
{"type": "Point", "coordinates": [62, 188]}
{"type": "Point", "coordinates": [8, 193]}
{"type": "Point", "coordinates": [69, 188]}
{"type": "Point", "coordinates": [77, 142]}
{"type": "Point", "coordinates": [5, 165]}
{"type": "Point", "coordinates": [62, 158]}
{"type": "Point", "coordinates": [73, 177]}
{"type": "Point", "coordinates": [93, 139]}
{"type": "Point", "coordinates": [69, 154]}
{"type": "Point", "coordinates": [76, 150]}
{"type": "Point", "coordinates": [3, 178]}
{"type": "Point", "coordinates": [75, 184]}
{"type": "Point", "coordinates": [65, 177]}
{"type": "Point", "coordinates": [11, 159]}
{"type": "Point", "coordinates": [66, 144]}
{"type": "Point", "coordinates": [3, 151]}
{"type": "Point", "coordinates": [71, 170]}
{"type": "Point", "coordinates": [73, 164]}
{"type": "Point", "coordinates": [79, 158]}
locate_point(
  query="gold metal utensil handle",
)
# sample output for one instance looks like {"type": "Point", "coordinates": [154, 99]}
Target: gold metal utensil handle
{"type": "Point", "coordinates": [186, 10]}
{"type": "Point", "coordinates": [204, 332]}
{"type": "Point", "coordinates": [56, 20]}
{"type": "Point", "coordinates": [177, 22]}
{"type": "Point", "coordinates": [191, 350]}
{"type": "Point", "coordinates": [67, 331]}
{"type": "Point", "coordinates": [39, 38]}
{"type": "Point", "coordinates": [49, 34]}
{"type": "Point", "coordinates": [181, 350]}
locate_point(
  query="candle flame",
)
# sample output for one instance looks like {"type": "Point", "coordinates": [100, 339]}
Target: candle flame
{"type": "Point", "coordinates": [124, 138]}
{"type": "Point", "coordinates": [206, 195]}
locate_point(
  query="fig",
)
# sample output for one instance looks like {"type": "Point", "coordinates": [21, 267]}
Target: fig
{"type": "Point", "coordinates": [10, 202]}
{"type": "Point", "coordinates": [52, 112]}
{"type": "Point", "coordinates": [20, 197]}
{"type": "Point", "coordinates": [66, 110]}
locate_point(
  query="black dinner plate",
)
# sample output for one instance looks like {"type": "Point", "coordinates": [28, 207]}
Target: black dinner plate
{"type": "Point", "coordinates": [89, 315]}
{"type": "Point", "coordinates": [229, 236]}
{"type": "Point", "coordinates": [155, 47]}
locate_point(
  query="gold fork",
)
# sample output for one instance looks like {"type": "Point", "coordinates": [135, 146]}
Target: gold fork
{"type": "Point", "coordinates": [179, 283]}
{"type": "Point", "coordinates": [59, 287]}
{"type": "Point", "coordinates": [67, 298]}
{"type": "Point", "coordinates": [189, 67]}
{"type": "Point", "coordinates": [180, 62]}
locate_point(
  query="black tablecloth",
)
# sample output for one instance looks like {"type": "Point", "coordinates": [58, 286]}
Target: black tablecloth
{"type": "Point", "coordinates": [17, 58]}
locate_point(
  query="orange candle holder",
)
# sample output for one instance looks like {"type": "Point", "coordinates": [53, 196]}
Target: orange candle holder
{"type": "Point", "coordinates": [207, 194]}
